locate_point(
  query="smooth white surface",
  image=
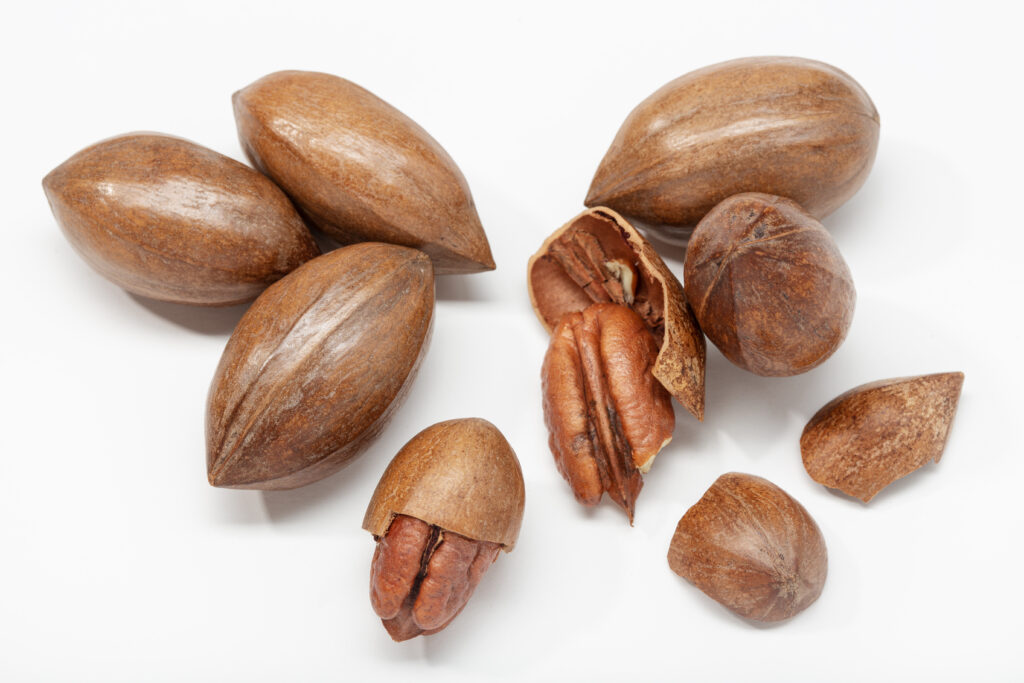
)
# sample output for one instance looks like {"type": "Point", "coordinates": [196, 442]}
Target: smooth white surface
{"type": "Point", "coordinates": [120, 563]}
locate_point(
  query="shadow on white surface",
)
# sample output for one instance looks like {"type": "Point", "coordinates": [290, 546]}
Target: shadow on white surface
{"type": "Point", "coordinates": [208, 320]}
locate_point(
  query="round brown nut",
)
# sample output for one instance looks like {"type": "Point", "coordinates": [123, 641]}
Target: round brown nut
{"type": "Point", "coordinates": [782, 125]}
{"type": "Point", "coordinates": [360, 169]}
{"type": "Point", "coordinates": [768, 285]}
{"type": "Point", "coordinates": [598, 257]}
{"type": "Point", "coordinates": [168, 219]}
{"type": "Point", "coordinates": [751, 547]}
{"type": "Point", "coordinates": [317, 366]}
{"type": "Point", "coordinates": [448, 502]}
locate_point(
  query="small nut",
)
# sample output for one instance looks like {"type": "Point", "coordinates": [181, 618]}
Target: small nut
{"type": "Point", "coordinates": [167, 219]}
{"type": "Point", "coordinates": [359, 169]}
{"type": "Point", "coordinates": [768, 285]}
{"type": "Point", "coordinates": [606, 413]}
{"type": "Point", "coordinates": [782, 125]}
{"type": "Point", "coordinates": [450, 499]}
{"type": "Point", "coordinates": [598, 257]}
{"type": "Point", "coordinates": [317, 366]}
{"type": "Point", "coordinates": [751, 547]}
{"type": "Point", "coordinates": [870, 436]}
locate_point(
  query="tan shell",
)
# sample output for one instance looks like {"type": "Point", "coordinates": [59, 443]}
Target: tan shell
{"type": "Point", "coordinates": [682, 349]}
{"type": "Point", "coordinates": [168, 219]}
{"type": "Point", "coordinates": [460, 475]}
{"type": "Point", "coordinates": [870, 436]}
{"type": "Point", "coordinates": [781, 125]}
{"type": "Point", "coordinates": [317, 366]}
{"type": "Point", "coordinates": [360, 169]}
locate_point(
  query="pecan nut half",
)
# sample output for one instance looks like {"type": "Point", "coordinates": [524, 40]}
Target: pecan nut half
{"type": "Point", "coordinates": [606, 413]}
{"type": "Point", "coordinates": [422, 576]}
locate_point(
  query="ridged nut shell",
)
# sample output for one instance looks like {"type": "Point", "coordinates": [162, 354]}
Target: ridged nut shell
{"type": "Point", "coordinates": [317, 366]}
{"type": "Point", "coordinates": [168, 219]}
{"type": "Point", "coordinates": [360, 169]}
{"type": "Point", "coordinates": [786, 126]}
{"type": "Point", "coordinates": [768, 285]}
{"type": "Point", "coordinates": [870, 436]}
{"type": "Point", "coordinates": [461, 475]}
{"type": "Point", "coordinates": [659, 299]}
{"type": "Point", "coordinates": [751, 547]}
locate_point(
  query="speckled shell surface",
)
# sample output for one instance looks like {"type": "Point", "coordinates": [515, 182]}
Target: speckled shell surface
{"type": "Point", "coordinates": [461, 475]}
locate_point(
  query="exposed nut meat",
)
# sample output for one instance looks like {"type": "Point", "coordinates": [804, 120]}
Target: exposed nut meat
{"type": "Point", "coordinates": [422, 576]}
{"type": "Point", "coordinates": [607, 414]}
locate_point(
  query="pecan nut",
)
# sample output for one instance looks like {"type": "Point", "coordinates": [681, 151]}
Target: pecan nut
{"type": "Point", "coordinates": [606, 413]}
{"type": "Point", "coordinates": [422, 576]}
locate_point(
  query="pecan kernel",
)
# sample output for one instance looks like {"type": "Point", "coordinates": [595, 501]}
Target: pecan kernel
{"type": "Point", "coordinates": [606, 413]}
{"type": "Point", "coordinates": [422, 576]}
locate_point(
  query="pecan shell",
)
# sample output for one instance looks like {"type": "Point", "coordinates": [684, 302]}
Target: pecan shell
{"type": "Point", "coordinates": [598, 257]}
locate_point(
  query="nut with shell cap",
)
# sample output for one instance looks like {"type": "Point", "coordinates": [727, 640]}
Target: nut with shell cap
{"type": "Point", "coordinates": [450, 499]}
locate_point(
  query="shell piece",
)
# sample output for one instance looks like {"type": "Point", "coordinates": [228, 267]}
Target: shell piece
{"type": "Point", "coordinates": [317, 365]}
{"type": "Point", "coordinates": [751, 547]}
{"type": "Point", "coordinates": [870, 436]}
{"type": "Point", "coordinates": [167, 219]}
{"type": "Point", "coordinates": [359, 168]}
{"type": "Point", "coordinates": [598, 256]}
{"type": "Point", "coordinates": [768, 285]}
{"type": "Point", "coordinates": [460, 475]}
{"type": "Point", "coordinates": [782, 125]}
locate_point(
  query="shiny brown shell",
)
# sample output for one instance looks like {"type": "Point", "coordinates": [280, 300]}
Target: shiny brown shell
{"type": "Point", "coordinates": [167, 219]}
{"type": "Point", "coordinates": [872, 435]}
{"type": "Point", "coordinates": [460, 475]}
{"type": "Point", "coordinates": [317, 366]}
{"type": "Point", "coordinates": [658, 298]}
{"type": "Point", "coordinates": [359, 169]}
{"type": "Point", "coordinates": [786, 126]}
{"type": "Point", "coordinates": [768, 285]}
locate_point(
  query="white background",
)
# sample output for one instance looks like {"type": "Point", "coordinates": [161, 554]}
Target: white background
{"type": "Point", "coordinates": [118, 562]}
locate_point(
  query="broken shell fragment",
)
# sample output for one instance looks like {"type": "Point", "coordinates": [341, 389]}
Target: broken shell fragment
{"type": "Point", "coordinates": [874, 434]}
{"type": "Point", "coordinates": [599, 257]}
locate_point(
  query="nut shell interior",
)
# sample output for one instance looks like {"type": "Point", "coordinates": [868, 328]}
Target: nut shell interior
{"type": "Point", "coordinates": [656, 295]}
{"type": "Point", "coordinates": [461, 475]}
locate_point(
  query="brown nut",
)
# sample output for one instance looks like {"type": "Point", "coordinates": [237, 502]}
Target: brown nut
{"type": "Point", "coordinates": [870, 436]}
{"type": "Point", "coordinates": [599, 257]}
{"type": "Point", "coordinates": [751, 547]}
{"type": "Point", "coordinates": [359, 169]}
{"type": "Point", "coordinates": [607, 415]}
{"type": "Point", "coordinates": [317, 366]}
{"type": "Point", "coordinates": [782, 125]}
{"type": "Point", "coordinates": [768, 285]}
{"type": "Point", "coordinates": [167, 219]}
{"type": "Point", "coordinates": [450, 499]}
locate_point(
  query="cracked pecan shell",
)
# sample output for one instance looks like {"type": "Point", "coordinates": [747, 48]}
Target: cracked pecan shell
{"type": "Point", "coordinates": [608, 417]}
{"type": "Point", "coordinates": [870, 436]}
{"type": "Point", "coordinates": [317, 366]}
{"type": "Point", "coordinates": [787, 126]}
{"type": "Point", "coordinates": [451, 498]}
{"type": "Point", "coordinates": [168, 219]}
{"type": "Point", "coordinates": [359, 169]}
{"type": "Point", "coordinates": [751, 547]}
{"type": "Point", "coordinates": [598, 257]}
{"type": "Point", "coordinates": [768, 285]}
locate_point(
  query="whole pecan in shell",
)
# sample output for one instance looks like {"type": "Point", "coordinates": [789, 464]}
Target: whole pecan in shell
{"type": "Point", "coordinates": [787, 126]}
{"type": "Point", "coordinates": [317, 366]}
{"type": "Point", "coordinates": [359, 169]}
{"type": "Point", "coordinates": [168, 219]}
